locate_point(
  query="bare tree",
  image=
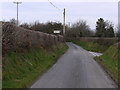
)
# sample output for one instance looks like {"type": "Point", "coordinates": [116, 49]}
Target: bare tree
{"type": "Point", "coordinates": [80, 29]}
{"type": "Point", "coordinates": [13, 21]}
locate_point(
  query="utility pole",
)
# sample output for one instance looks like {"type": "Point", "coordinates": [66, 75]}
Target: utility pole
{"type": "Point", "coordinates": [64, 22]}
{"type": "Point", "coordinates": [118, 20]}
{"type": "Point", "coordinates": [17, 9]}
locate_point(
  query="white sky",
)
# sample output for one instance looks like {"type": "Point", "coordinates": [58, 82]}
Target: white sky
{"type": "Point", "coordinates": [61, 0]}
{"type": "Point", "coordinates": [89, 10]}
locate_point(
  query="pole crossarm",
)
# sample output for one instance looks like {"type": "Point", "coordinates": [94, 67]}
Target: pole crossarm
{"type": "Point", "coordinates": [17, 2]}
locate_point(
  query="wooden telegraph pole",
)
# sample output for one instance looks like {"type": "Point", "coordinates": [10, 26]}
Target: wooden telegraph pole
{"type": "Point", "coordinates": [17, 9]}
{"type": "Point", "coordinates": [64, 22]}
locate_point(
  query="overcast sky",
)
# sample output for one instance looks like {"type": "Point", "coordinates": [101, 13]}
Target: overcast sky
{"type": "Point", "coordinates": [44, 11]}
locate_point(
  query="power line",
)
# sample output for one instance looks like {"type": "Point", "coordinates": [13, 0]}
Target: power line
{"type": "Point", "coordinates": [53, 5]}
{"type": "Point", "coordinates": [63, 16]}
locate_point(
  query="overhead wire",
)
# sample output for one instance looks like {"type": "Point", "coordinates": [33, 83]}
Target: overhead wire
{"type": "Point", "coordinates": [54, 5]}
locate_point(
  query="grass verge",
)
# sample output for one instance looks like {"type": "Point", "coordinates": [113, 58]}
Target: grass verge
{"type": "Point", "coordinates": [109, 61]}
{"type": "Point", "coordinates": [21, 69]}
{"type": "Point", "coordinates": [91, 46]}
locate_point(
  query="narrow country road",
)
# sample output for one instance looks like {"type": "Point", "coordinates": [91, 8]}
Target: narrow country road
{"type": "Point", "coordinates": [75, 69]}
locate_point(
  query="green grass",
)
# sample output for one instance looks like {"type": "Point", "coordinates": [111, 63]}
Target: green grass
{"type": "Point", "coordinates": [21, 69]}
{"type": "Point", "coordinates": [0, 78]}
{"type": "Point", "coordinates": [110, 61]}
{"type": "Point", "coordinates": [91, 46]}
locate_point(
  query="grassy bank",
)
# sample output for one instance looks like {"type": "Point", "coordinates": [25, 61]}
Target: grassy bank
{"type": "Point", "coordinates": [90, 46]}
{"type": "Point", "coordinates": [109, 61]}
{"type": "Point", "coordinates": [21, 69]}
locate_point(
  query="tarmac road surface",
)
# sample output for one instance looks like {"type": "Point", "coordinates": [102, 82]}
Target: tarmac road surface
{"type": "Point", "coordinates": [75, 69]}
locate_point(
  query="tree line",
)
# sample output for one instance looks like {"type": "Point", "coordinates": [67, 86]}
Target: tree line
{"type": "Point", "coordinates": [103, 29]}
{"type": "Point", "coordinates": [78, 29]}
{"type": "Point", "coordinates": [48, 27]}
